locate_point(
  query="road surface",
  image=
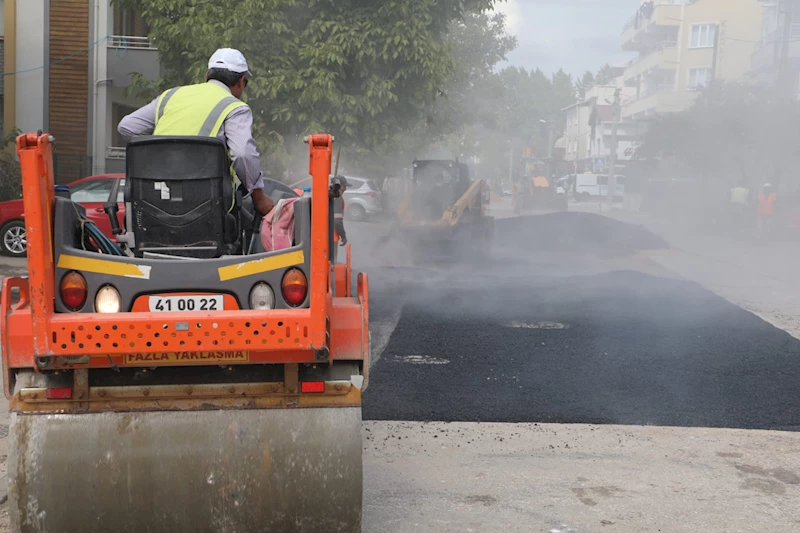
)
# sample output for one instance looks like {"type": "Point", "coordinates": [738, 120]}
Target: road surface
{"type": "Point", "coordinates": [574, 383]}
{"type": "Point", "coordinates": [571, 383]}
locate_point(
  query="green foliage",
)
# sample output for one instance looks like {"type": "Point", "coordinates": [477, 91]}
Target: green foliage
{"type": "Point", "coordinates": [531, 97]}
{"type": "Point", "coordinates": [392, 80]}
{"type": "Point", "coordinates": [586, 82]}
{"type": "Point", "coordinates": [10, 174]}
{"type": "Point", "coordinates": [11, 138]}
{"type": "Point", "coordinates": [604, 76]}
{"type": "Point", "coordinates": [733, 132]}
{"type": "Point", "coordinates": [477, 44]}
{"type": "Point", "coordinates": [363, 70]}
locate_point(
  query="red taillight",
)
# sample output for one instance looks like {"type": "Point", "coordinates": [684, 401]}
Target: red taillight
{"type": "Point", "coordinates": [63, 393]}
{"type": "Point", "coordinates": [372, 194]}
{"type": "Point", "coordinates": [294, 287]}
{"type": "Point", "coordinates": [312, 386]}
{"type": "Point", "coordinates": [73, 291]}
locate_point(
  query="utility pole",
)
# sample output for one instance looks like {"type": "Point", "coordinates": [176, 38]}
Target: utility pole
{"type": "Point", "coordinates": [784, 77]}
{"type": "Point", "coordinates": [715, 60]}
{"type": "Point", "coordinates": [511, 164]}
{"type": "Point", "coordinates": [612, 160]}
{"type": "Point", "coordinates": [550, 142]}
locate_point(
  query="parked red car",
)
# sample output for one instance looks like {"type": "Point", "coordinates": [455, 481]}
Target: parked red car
{"type": "Point", "coordinates": [92, 193]}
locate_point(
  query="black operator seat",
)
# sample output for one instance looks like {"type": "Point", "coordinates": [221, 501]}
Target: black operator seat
{"type": "Point", "coordinates": [178, 195]}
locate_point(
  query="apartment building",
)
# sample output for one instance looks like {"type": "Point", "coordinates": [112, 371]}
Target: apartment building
{"type": "Point", "coordinates": [777, 56]}
{"type": "Point", "coordinates": [682, 46]}
{"type": "Point", "coordinates": [601, 125]}
{"type": "Point", "coordinates": [67, 65]}
{"type": "Point", "coordinates": [587, 137]}
{"type": "Point", "coordinates": [577, 134]}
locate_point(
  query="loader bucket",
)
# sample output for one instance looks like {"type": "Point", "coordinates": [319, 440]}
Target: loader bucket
{"type": "Point", "coordinates": [254, 471]}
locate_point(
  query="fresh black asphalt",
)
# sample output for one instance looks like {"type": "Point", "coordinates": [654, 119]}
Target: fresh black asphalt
{"type": "Point", "coordinates": [617, 348]}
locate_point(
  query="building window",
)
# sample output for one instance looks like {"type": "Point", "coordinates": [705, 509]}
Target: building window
{"type": "Point", "coordinates": [699, 78]}
{"type": "Point", "coordinates": [129, 23]}
{"type": "Point", "coordinates": [704, 36]}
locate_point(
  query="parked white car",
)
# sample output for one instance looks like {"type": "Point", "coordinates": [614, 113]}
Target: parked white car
{"type": "Point", "coordinates": [589, 186]}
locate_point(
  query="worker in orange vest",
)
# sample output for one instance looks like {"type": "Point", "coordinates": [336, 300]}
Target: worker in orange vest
{"type": "Point", "coordinates": [339, 234]}
{"type": "Point", "coordinates": [766, 207]}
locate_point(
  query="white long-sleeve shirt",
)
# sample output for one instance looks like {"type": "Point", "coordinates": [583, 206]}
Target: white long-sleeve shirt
{"type": "Point", "coordinates": [236, 132]}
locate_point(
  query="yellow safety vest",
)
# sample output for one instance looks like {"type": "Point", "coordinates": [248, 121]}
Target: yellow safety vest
{"type": "Point", "coordinates": [739, 195]}
{"type": "Point", "coordinates": [198, 109]}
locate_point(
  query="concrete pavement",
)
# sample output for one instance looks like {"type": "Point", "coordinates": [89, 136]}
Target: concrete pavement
{"type": "Point", "coordinates": [524, 478]}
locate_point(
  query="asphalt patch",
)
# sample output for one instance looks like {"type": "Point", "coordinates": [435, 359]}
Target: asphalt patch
{"type": "Point", "coordinates": [634, 349]}
{"type": "Point", "coordinates": [576, 232]}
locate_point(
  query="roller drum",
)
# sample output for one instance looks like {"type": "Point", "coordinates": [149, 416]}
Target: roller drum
{"type": "Point", "coordinates": [242, 471]}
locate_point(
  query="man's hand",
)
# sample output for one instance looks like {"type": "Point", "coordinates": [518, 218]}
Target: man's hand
{"type": "Point", "coordinates": [343, 241]}
{"type": "Point", "coordinates": [262, 202]}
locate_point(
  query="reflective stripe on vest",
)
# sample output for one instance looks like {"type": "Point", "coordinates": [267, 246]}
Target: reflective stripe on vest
{"type": "Point", "coordinates": [196, 110]}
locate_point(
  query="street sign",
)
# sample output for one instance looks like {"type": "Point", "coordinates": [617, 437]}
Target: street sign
{"type": "Point", "coordinates": [599, 163]}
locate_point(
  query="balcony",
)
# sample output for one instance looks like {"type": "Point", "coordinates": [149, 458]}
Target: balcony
{"type": "Point", "coordinates": [665, 57]}
{"type": "Point", "coordinates": [127, 54]}
{"type": "Point", "coordinates": [664, 100]}
{"type": "Point", "coordinates": [115, 152]}
{"type": "Point", "coordinates": [642, 30]}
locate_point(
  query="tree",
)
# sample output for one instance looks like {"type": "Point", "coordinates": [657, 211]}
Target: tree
{"type": "Point", "coordinates": [363, 70]}
{"type": "Point", "coordinates": [733, 132]}
{"type": "Point", "coordinates": [532, 97]}
{"type": "Point", "coordinates": [586, 82]}
{"type": "Point", "coordinates": [452, 125]}
{"type": "Point", "coordinates": [477, 44]}
{"type": "Point", "coordinates": [605, 75]}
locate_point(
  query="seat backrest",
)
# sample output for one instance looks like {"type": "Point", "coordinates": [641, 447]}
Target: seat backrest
{"type": "Point", "coordinates": [178, 192]}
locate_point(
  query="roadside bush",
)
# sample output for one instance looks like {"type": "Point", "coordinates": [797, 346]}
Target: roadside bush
{"type": "Point", "coordinates": [10, 178]}
{"type": "Point", "coordinates": [10, 175]}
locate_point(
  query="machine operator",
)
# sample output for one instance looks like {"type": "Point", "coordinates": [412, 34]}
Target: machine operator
{"type": "Point", "coordinates": [210, 109]}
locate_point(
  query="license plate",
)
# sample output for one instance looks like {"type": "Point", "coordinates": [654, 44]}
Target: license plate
{"type": "Point", "coordinates": [186, 303]}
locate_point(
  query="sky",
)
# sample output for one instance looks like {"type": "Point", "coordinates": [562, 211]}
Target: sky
{"type": "Point", "coordinates": [576, 35]}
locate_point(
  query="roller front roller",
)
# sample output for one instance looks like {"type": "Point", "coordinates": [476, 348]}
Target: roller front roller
{"type": "Point", "coordinates": [255, 471]}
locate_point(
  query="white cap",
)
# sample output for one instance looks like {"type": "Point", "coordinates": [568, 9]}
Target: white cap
{"type": "Point", "coordinates": [229, 59]}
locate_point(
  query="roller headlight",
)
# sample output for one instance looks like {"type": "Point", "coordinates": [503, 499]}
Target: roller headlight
{"type": "Point", "coordinates": [107, 300]}
{"type": "Point", "coordinates": [262, 296]}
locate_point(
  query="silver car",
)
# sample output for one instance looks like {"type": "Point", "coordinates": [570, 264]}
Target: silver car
{"type": "Point", "coordinates": [362, 198]}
